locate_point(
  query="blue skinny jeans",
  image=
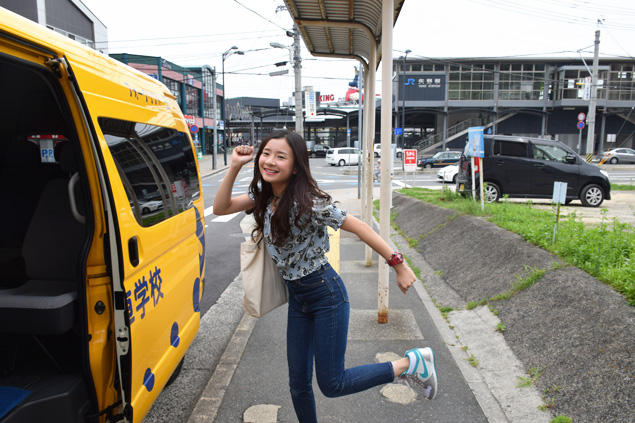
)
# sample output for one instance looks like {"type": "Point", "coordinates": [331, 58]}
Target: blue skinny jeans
{"type": "Point", "coordinates": [317, 328]}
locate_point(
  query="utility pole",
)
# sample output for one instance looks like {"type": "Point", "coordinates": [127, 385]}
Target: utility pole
{"type": "Point", "coordinates": [594, 93]}
{"type": "Point", "coordinates": [297, 66]}
{"type": "Point", "coordinates": [215, 112]}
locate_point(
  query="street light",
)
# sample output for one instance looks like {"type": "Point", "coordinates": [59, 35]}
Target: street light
{"type": "Point", "coordinates": [229, 52]}
{"type": "Point", "coordinates": [403, 103]}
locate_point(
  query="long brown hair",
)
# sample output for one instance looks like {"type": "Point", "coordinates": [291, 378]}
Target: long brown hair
{"type": "Point", "coordinates": [302, 189]}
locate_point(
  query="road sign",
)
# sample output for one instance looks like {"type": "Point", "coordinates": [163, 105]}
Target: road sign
{"type": "Point", "coordinates": [410, 160]}
{"type": "Point", "coordinates": [475, 141]}
{"type": "Point", "coordinates": [559, 193]}
{"type": "Point", "coordinates": [398, 131]}
{"type": "Point", "coordinates": [580, 125]}
{"type": "Point", "coordinates": [194, 129]}
{"type": "Point", "coordinates": [581, 117]}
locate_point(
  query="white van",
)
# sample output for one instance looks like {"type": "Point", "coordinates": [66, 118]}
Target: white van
{"type": "Point", "coordinates": [343, 156]}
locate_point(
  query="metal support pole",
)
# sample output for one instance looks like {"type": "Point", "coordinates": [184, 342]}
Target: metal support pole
{"type": "Point", "coordinates": [253, 130]}
{"type": "Point", "coordinates": [224, 116]}
{"type": "Point", "coordinates": [348, 140]}
{"type": "Point", "coordinates": [403, 102]}
{"type": "Point", "coordinates": [594, 93]}
{"type": "Point", "coordinates": [386, 129]}
{"type": "Point", "coordinates": [229, 52]}
{"type": "Point", "coordinates": [215, 140]}
{"type": "Point", "coordinates": [297, 69]}
{"type": "Point", "coordinates": [370, 105]}
{"type": "Point", "coordinates": [360, 80]}
{"type": "Point", "coordinates": [602, 133]}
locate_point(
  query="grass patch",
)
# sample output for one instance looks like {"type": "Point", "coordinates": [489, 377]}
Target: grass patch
{"type": "Point", "coordinates": [606, 251]}
{"type": "Point", "coordinates": [444, 311]}
{"type": "Point", "coordinates": [473, 361]}
{"type": "Point", "coordinates": [622, 187]}
{"type": "Point", "coordinates": [562, 419]}
{"type": "Point", "coordinates": [533, 276]}
{"type": "Point", "coordinates": [530, 380]}
{"type": "Point", "coordinates": [415, 269]}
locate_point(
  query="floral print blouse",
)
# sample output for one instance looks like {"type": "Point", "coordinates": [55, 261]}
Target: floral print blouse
{"type": "Point", "coordinates": [306, 249]}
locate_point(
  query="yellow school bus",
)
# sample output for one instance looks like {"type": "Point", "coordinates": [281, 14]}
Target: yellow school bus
{"type": "Point", "coordinates": [102, 237]}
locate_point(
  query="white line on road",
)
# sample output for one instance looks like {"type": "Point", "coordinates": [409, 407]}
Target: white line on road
{"type": "Point", "coordinates": [225, 218]}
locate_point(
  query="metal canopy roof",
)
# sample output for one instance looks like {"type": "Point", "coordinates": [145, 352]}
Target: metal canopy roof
{"type": "Point", "coordinates": [340, 28]}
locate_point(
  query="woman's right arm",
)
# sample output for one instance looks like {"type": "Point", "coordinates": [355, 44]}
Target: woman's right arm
{"type": "Point", "coordinates": [224, 203]}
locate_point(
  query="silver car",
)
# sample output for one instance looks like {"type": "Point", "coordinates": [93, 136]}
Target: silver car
{"type": "Point", "coordinates": [619, 155]}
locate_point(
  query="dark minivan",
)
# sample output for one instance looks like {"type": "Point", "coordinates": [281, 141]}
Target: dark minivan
{"type": "Point", "coordinates": [527, 168]}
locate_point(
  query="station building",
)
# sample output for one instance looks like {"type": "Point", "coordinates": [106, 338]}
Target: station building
{"type": "Point", "coordinates": [438, 99]}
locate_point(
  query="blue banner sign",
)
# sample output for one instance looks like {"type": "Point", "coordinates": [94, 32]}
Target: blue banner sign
{"type": "Point", "coordinates": [475, 141]}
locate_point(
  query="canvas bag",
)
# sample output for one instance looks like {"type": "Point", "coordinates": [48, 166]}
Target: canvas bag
{"type": "Point", "coordinates": [263, 287]}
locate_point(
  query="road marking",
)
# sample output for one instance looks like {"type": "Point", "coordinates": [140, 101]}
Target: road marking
{"type": "Point", "coordinates": [225, 218]}
{"type": "Point", "coordinates": [220, 219]}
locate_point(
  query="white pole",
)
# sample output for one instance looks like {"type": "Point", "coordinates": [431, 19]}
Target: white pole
{"type": "Point", "coordinates": [297, 70]}
{"type": "Point", "coordinates": [369, 107]}
{"type": "Point", "coordinates": [386, 130]}
{"type": "Point", "coordinates": [215, 112]}
{"type": "Point", "coordinates": [473, 180]}
{"type": "Point", "coordinates": [480, 177]}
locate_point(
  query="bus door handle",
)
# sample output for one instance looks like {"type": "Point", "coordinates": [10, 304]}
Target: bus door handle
{"type": "Point", "coordinates": [133, 251]}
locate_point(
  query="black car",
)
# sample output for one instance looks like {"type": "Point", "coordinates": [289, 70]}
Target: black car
{"type": "Point", "coordinates": [318, 150]}
{"type": "Point", "coordinates": [528, 167]}
{"type": "Point", "coordinates": [441, 159]}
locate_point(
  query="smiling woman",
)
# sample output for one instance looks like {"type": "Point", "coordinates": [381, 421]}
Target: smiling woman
{"type": "Point", "coordinates": [292, 215]}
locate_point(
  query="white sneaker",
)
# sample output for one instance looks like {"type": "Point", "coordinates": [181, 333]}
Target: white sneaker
{"type": "Point", "coordinates": [423, 373]}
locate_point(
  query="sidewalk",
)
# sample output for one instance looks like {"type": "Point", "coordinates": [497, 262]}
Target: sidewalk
{"type": "Point", "coordinates": [250, 383]}
{"type": "Point", "coordinates": [206, 164]}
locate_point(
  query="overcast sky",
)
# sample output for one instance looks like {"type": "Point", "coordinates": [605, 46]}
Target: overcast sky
{"type": "Point", "coordinates": [197, 32]}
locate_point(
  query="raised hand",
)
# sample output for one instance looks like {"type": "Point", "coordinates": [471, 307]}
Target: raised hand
{"type": "Point", "coordinates": [242, 154]}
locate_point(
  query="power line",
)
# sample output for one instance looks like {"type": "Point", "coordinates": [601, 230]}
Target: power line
{"type": "Point", "coordinates": [567, 16]}
{"type": "Point", "coordinates": [253, 11]}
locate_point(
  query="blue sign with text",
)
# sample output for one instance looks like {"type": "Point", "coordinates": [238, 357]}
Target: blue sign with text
{"type": "Point", "coordinates": [475, 142]}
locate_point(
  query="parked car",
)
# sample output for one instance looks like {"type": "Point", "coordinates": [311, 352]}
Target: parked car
{"type": "Point", "coordinates": [448, 173]}
{"type": "Point", "coordinates": [318, 150]}
{"type": "Point", "coordinates": [150, 206]}
{"type": "Point", "coordinates": [377, 151]}
{"type": "Point", "coordinates": [618, 155]}
{"type": "Point", "coordinates": [442, 158]}
{"type": "Point", "coordinates": [528, 167]}
{"type": "Point", "coordinates": [343, 156]}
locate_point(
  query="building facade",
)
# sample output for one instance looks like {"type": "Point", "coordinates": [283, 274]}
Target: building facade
{"type": "Point", "coordinates": [67, 17]}
{"type": "Point", "coordinates": [193, 88]}
{"type": "Point", "coordinates": [533, 97]}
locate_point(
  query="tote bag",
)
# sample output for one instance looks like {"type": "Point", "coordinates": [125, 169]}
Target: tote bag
{"type": "Point", "coordinates": [263, 287]}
